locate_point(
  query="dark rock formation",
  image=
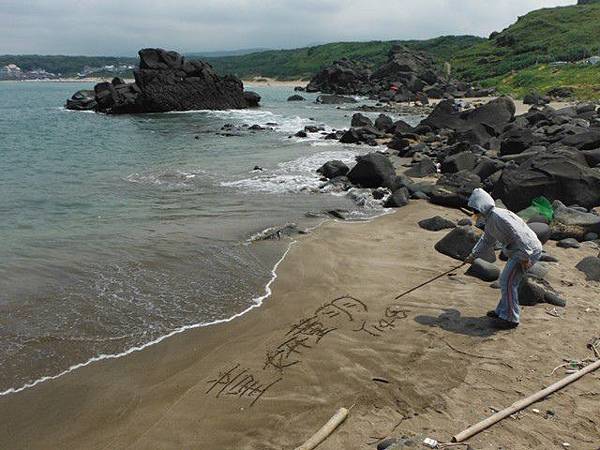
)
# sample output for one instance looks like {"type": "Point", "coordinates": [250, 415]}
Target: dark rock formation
{"type": "Point", "coordinates": [372, 170]}
{"type": "Point", "coordinates": [83, 100]}
{"type": "Point", "coordinates": [295, 98]}
{"type": "Point", "coordinates": [557, 174]}
{"type": "Point", "coordinates": [398, 199]}
{"type": "Point", "coordinates": [166, 81]}
{"type": "Point", "coordinates": [342, 77]}
{"type": "Point", "coordinates": [436, 223]}
{"type": "Point", "coordinates": [590, 266]}
{"type": "Point", "coordinates": [334, 99]}
{"type": "Point", "coordinates": [484, 270]}
{"type": "Point", "coordinates": [333, 169]}
{"type": "Point", "coordinates": [459, 242]}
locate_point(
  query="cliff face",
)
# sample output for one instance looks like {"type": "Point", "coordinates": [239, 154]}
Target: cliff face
{"type": "Point", "coordinates": [166, 81]}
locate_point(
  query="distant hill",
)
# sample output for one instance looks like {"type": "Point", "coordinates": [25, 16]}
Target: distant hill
{"type": "Point", "coordinates": [220, 54]}
{"type": "Point", "coordinates": [302, 63]}
{"type": "Point", "coordinates": [568, 33]}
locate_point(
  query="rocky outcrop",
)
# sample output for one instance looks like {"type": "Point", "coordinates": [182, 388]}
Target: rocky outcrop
{"type": "Point", "coordinates": [407, 75]}
{"type": "Point", "coordinates": [166, 81]}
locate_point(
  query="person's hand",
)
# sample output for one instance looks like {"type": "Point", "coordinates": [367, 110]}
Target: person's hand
{"type": "Point", "coordinates": [470, 259]}
{"type": "Point", "coordinates": [526, 264]}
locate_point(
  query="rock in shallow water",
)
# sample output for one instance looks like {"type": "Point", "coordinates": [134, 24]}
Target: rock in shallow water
{"type": "Point", "coordinates": [166, 81]}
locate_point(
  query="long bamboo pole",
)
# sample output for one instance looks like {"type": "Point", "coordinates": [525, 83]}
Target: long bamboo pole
{"type": "Point", "coordinates": [325, 430]}
{"type": "Point", "coordinates": [524, 403]}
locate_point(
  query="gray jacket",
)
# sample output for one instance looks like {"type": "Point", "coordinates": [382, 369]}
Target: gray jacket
{"type": "Point", "coordinates": [504, 226]}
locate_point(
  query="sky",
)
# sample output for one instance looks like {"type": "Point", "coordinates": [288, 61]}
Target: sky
{"type": "Point", "coordinates": [121, 28]}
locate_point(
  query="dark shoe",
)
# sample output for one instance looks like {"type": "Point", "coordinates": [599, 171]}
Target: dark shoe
{"type": "Point", "coordinates": [493, 314]}
{"type": "Point", "coordinates": [501, 324]}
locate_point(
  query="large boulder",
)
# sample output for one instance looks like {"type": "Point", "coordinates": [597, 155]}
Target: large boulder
{"type": "Point", "coordinates": [460, 161]}
{"type": "Point", "coordinates": [360, 120]}
{"type": "Point", "coordinates": [590, 266]}
{"type": "Point", "coordinates": [534, 290]}
{"type": "Point", "coordinates": [166, 81]}
{"type": "Point", "coordinates": [484, 270]}
{"type": "Point", "coordinates": [588, 140]}
{"type": "Point", "coordinates": [372, 170]}
{"type": "Point", "coordinates": [489, 119]}
{"type": "Point", "coordinates": [342, 77]}
{"type": "Point", "coordinates": [459, 243]}
{"type": "Point", "coordinates": [454, 189]}
{"type": "Point", "coordinates": [83, 100]}
{"type": "Point", "coordinates": [423, 168]}
{"type": "Point", "coordinates": [398, 199]}
{"type": "Point", "coordinates": [333, 169]}
{"type": "Point", "coordinates": [560, 174]}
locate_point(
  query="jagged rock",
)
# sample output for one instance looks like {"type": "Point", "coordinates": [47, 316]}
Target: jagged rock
{"type": "Point", "coordinates": [454, 189]}
{"type": "Point", "coordinates": [252, 99]}
{"type": "Point", "coordinates": [398, 199]}
{"type": "Point", "coordinates": [535, 98]}
{"type": "Point", "coordinates": [486, 167]}
{"type": "Point", "coordinates": [484, 270]}
{"type": "Point", "coordinates": [423, 168]}
{"type": "Point", "coordinates": [459, 242]}
{"type": "Point", "coordinates": [342, 77]}
{"type": "Point", "coordinates": [301, 134]}
{"type": "Point", "coordinates": [295, 98]}
{"type": "Point", "coordinates": [360, 120]}
{"type": "Point", "coordinates": [591, 267]}
{"type": "Point", "coordinates": [166, 81]}
{"type": "Point", "coordinates": [516, 140]}
{"type": "Point", "coordinates": [571, 217]}
{"type": "Point", "coordinates": [372, 170]}
{"type": "Point", "coordinates": [588, 140]}
{"type": "Point", "coordinates": [560, 174]}
{"type": "Point", "coordinates": [534, 290]}
{"type": "Point", "coordinates": [436, 223]}
{"type": "Point", "coordinates": [333, 169]}
{"type": "Point", "coordinates": [491, 118]}
{"type": "Point", "coordinates": [84, 100]}
{"type": "Point", "coordinates": [384, 123]}
{"type": "Point", "coordinates": [458, 162]}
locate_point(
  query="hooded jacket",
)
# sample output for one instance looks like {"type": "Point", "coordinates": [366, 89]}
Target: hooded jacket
{"type": "Point", "coordinates": [504, 226]}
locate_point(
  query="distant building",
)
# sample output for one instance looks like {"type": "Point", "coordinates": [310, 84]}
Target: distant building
{"type": "Point", "coordinates": [592, 60]}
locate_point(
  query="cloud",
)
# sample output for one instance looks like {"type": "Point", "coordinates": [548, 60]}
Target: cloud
{"type": "Point", "coordinates": [110, 27]}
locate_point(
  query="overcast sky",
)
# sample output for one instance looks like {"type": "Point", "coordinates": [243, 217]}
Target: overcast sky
{"type": "Point", "coordinates": [110, 27]}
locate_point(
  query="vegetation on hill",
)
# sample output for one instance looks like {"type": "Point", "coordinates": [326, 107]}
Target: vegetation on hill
{"type": "Point", "coordinates": [302, 63]}
{"type": "Point", "coordinates": [585, 80]}
{"type": "Point", "coordinates": [568, 33]}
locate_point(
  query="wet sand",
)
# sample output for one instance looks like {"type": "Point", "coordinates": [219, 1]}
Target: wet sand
{"type": "Point", "coordinates": [332, 336]}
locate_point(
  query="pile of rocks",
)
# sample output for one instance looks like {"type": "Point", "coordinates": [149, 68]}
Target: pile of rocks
{"type": "Point", "coordinates": [406, 76]}
{"type": "Point", "coordinates": [166, 81]}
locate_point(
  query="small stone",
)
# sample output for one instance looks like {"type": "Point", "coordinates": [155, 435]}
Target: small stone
{"type": "Point", "coordinates": [464, 222]}
{"type": "Point", "coordinates": [535, 411]}
{"type": "Point", "coordinates": [546, 257]}
{"type": "Point", "coordinates": [569, 243]}
{"type": "Point", "coordinates": [566, 444]}
{"type": "Point", "coordinates": [590, 236]}
{"type": "Point", "coordinates": [386, 443]}
{"type": "Point", "coordinates": [495, 285]}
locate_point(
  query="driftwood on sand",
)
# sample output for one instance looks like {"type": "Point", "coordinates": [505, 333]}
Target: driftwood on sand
{"type": "Point", "coordinates": [524, 403]}
{"type": "Point", "coordinates": [326, 430]}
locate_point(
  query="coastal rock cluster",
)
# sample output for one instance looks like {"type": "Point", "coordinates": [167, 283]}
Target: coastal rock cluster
{"type": "Point", "coordinates": [166, 81]}
{"type": "Point", "coordinates": [406, 76]}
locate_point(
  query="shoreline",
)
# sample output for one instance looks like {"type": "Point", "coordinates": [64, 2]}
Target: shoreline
{"type": "Point", "coordinates": [158, 397]}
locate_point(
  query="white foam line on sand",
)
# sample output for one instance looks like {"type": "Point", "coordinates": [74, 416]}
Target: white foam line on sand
{"type": "Point", "coordinates": [257, 303]}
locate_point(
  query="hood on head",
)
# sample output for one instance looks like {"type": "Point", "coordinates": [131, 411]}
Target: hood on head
{"type": "Point", "coordinates": [481, 201]}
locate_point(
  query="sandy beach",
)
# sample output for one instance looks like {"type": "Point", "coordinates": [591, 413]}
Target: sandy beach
{"type": "Point", "coordinates": [330, 336]}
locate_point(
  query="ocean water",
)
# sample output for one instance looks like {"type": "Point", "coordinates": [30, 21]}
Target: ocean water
{"type": "Point", "coordinates": [117, 230]}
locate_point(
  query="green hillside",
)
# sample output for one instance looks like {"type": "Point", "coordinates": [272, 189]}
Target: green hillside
{"type": "Point", "coordinates": [304, 62]}
{"type": "Point", "coordinates": [568, 33]}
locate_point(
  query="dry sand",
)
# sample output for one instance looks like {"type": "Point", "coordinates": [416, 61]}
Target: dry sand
{"type": "Point", "coordinates": [444, 367]}
{"type": "Point", "coordinates": [263, 81]}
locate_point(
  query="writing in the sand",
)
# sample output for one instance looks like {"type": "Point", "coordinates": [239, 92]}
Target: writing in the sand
{"type": "Point", "coordinates": [309, 331]}
{"type": "Point", "coordinates": [391, 315]}
{"type": "Point", "coordinates": [239, 382]}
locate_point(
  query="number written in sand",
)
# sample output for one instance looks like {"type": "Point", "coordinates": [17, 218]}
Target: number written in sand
{"type": "Point", "coordinates": [308, 332]}
{"type": "Point", "coordinates": [239, 382]}
{"type": "Point", "coordinates": [392, 314]}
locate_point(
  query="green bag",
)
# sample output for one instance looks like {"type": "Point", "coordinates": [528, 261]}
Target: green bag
{"type": "Point", "coordinates": [544, 207]}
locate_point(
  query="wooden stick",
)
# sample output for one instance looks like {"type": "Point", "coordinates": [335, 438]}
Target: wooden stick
{"type": "Point", "coordinates": [430, 281]}
{"type": "Point", "coordinates": [325, 431]}
{"type": "Point", "coordinates": [524, 403]}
